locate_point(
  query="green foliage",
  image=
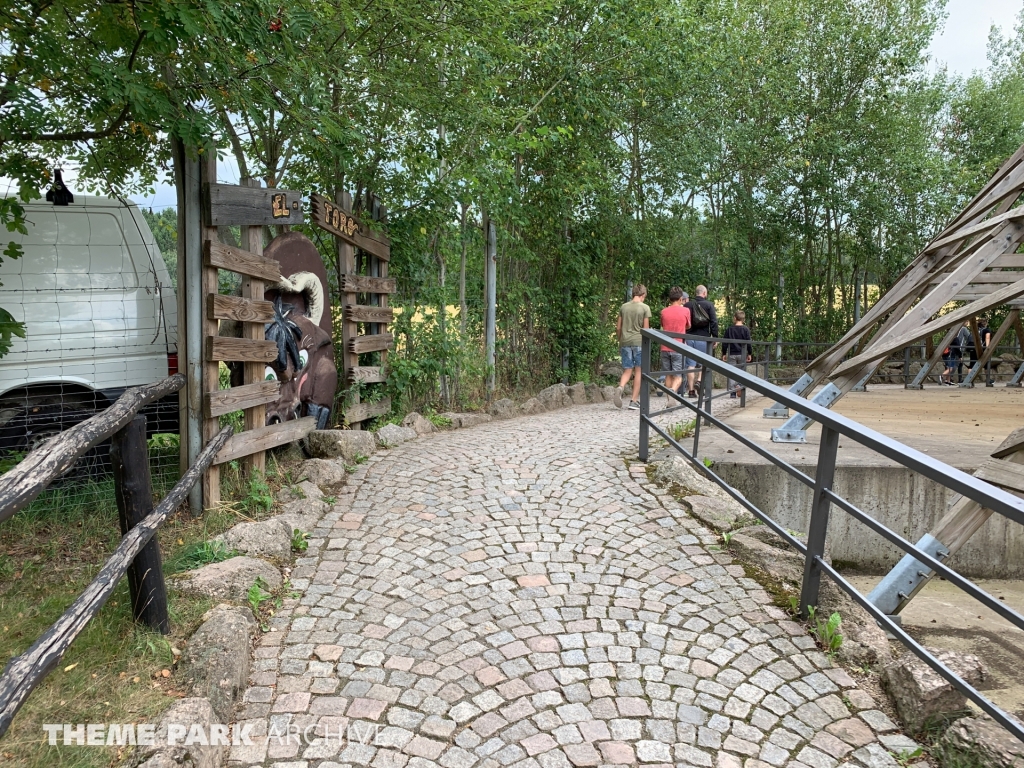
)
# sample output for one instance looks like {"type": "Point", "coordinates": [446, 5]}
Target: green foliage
{"type": "Point", "coordinates": [197, 555]}
{"type": "Point", "coordinates": [681, 429]}
{"type": "Point", "coordinates": [300, 541]}
{"type": "Point", "coordinates": [258, 595]}
{"type": "Point", "coordinates": [826, 631]}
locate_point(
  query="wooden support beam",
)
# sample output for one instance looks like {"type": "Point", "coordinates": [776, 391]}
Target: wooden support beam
{"type": "Point", "coordinates": [244, 263]}
{"type": "Point", "coordinates": [253, 286]}
{"type": "Point", "coordinates": [351, 283]}
{"type": "Point", "coordinates": [1006, 325]}
{"type": "Point", "coordinates": [211, 366]}
{"type": "Point", "coordinates": [220, 307]}
{"type": "Point", "coordinates": [238, 350]}
{"type": "Point", "coordinates": [363, 411]}
{"type": "Point", "coordinates": [264, 438]}
{"type": "Point", "coordinates": [367, 374]}
{"type": "Point", "coordinates": [238, 398]}
{"type": "Point", "coordinates": [1005, 474]}
{"type": "Point", "coordinates": [360, 313]}
{"type": "Point", "coordinates": [362, 344]}
{"type": "Point", "coordinates": [974, 308]}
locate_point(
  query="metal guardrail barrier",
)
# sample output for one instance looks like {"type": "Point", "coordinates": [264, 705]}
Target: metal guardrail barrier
{"type": "Point", "coordinates": [833, 425]}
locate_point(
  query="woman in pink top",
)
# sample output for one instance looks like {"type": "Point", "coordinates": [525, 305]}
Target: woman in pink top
{"type": "Point", "coordinates": [675, 318]}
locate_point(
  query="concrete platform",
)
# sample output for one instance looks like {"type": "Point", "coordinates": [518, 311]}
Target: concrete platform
{"type": "Point", "coordinates": [960, 427]}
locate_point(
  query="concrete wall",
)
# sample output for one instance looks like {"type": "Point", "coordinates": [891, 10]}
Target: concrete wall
{"type": "Point", "coordinates": [902, 500]}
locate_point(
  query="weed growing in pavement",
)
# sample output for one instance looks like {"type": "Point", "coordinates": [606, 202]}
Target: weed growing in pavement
{"type": "Point", "coordinates": [827, 631]}
{"type": "Point", "coordinates": [727, 537]}
{"type": "Point", "coordinates": [905, 756]}
{"type": "Point", "coordinates": [681, 429]}
{"type": "Point", "coordinates": [299, 541]}
{"type": "Point", "coordinates": [258, 595]}
{"type": "Point", "coordinates": [707, 462]}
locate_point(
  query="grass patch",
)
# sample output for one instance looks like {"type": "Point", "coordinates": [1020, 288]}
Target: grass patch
{"type": "Point", "coordinates": [49, 552]}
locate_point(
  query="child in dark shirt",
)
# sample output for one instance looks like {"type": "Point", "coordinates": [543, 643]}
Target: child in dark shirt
{"type": "Point", "coordinates": [735, 352]}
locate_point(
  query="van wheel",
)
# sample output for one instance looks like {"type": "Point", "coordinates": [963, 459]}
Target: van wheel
{"type": "Point", "coordinates": [29, 419]}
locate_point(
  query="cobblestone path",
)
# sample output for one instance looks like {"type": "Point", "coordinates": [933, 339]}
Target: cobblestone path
{"type": "Point", "coordinates": [518, 594]}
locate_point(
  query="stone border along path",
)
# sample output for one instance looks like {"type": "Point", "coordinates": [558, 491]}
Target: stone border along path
{"type": "Point", "coordinates": [518, 594]}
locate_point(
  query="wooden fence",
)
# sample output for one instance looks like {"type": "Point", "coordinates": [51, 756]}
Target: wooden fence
{"type": "Point", "coordinates": [137, 554]}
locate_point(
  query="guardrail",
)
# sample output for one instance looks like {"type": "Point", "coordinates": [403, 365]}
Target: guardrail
{"type": "Point", "coordinates": [137, 555]}
{"type": "Point", "coordinates": [834, 425]}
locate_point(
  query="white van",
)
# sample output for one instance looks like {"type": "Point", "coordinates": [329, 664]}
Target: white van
{"type": "Point", "coordinates": [100, 316]}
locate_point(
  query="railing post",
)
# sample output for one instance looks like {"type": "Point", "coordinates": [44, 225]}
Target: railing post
{"type": "Point", "coordinates": [133, 490]}
{"type": "Point", "coordinates": [820, 505]}
{"type": "Point", "coordinates": [645, 396]}
{"type": "Point", "coordinates": [703, 396]}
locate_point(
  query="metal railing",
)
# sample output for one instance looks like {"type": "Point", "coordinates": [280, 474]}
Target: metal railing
{"type": "Point", "coordinates": [834, 425]}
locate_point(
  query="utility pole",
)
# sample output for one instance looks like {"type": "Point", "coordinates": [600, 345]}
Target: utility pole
{"type": "Point", "coordinates": [491, 281]}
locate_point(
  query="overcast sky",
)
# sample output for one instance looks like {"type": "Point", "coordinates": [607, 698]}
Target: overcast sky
{"type": "Point", "coordinates": [961, 44]}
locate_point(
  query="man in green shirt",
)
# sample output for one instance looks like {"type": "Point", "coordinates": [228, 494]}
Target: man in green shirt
{"type": "Point", "coordinates": [633, 316]}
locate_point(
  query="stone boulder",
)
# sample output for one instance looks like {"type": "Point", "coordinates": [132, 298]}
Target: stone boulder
{"type": "Point", "coordinates": [420, 424]}
{"type": "Point", "coordinates": [323, 473]}
{"type": "Point", "coordinates": [555, 396]}
{"type": "Point", "coordinates": [609, 393]}
{"type": "Point", "coordinates": [685, 479]}
{"type": "Point", "coordinates": [594, 393]}
{"type": "Point", "coordinates": [979, 741]}
{"type": "Point", "coordinates": [270, 538]}
{"type": "Point", "coordinates": [922, 698]}
{"type": "Point", "coordinates": [578, 393]}
{"type": "Point", "coordinates": [503, 409]}
{"type": "Point", "coordinates": [717, 513]}
{"type": "Point", "coordinates": [303, 514]}
{"type": "Point", "coordinates": [531, 407]}
{"type": "Point", "coordinates": [184, 713]}
{"type": "Point", "coordinates": [463, 420]}
{"type": "Point", "coordinates": [391, 435]}
{"type": "Point", "coordinates": [228, 580]}
{"type": "Point", "coordinates": [215, 663]}
{"type": "Point", "coordinates": [612, 368]}
{"type": "Point", "coordinates": [304, 491]}
{"type": "Point", "coordinates": [348, 444]}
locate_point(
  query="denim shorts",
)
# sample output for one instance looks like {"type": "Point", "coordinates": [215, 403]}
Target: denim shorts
{"type": "Point", "coordinates": [671, 361]}
{"type": "Point", "coordinates": [700, 346]}
{"type": "Point", "coordinates": [631, 357]}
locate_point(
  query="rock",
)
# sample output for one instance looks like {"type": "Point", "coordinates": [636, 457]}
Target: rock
{"type": "Point", "coordinates": [578, 393]}
{"type": "Point", "coordinates": [612, 368]}
{"type": "Point", "coordinates": [463, 420]}
{"type": "Point", "coordinates": [269, 538]}
{"type": "Point", "coordinates": [391, 435]}
{"type": "Point", "coordinates": [323, 473]}
{"type": "Point", "coordinates": [228, 580]}
{"type": "Point", "coordinates": [349, 444]}
{"type": "Point", "coordinates": [923, 698]}
{"type": "Point", "coordinates": [685, 479]}
{"type": "Point", "coordinates": [184, 713]}
{"type": "Point", "coordinates": [1005, 369]}
{"type": "Point", "coordinates": [215, 664]}
{"type": "Point", "coordinates": [290, 453]}
{"type": "Point", "coordinates": [594, 394]}
{"type": "Point", "coordinates": [531, 407]}
{"type": "Point", "coordinates": [423, 426]}
{"type": "Point", "coordinates": [555, 396]}
{"type": "Point", "coordinates": [718, 513]}
{"type": "Point", "coordinates": [979, 741]}
{"type": "Point", "coordinates": [503, 409]}
{"type": "Point", "coordinates": [608, 393]}
{"type": "Point", "coordinates": [303, 514]}
{"type": "Point", "coordinates": [304, 491]}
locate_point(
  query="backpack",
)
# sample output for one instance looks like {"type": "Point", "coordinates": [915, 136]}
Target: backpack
{"type": "Point", "coordinates": [698, 315]}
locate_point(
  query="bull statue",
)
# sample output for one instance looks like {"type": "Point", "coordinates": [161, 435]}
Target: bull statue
{"type": "Point", "coordinates": [301, 328]}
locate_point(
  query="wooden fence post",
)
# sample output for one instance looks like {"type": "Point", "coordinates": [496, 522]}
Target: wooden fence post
{"type": "Point", "coordinates": [133, 490]}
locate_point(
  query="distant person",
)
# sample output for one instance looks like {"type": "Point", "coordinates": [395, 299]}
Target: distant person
{"type": "Point", "coordinates": [951, 355]}
{"type": "Point", "coordinates": [964, 341]}
{"type": "Point", "coordinates": [675, 318]}
{"type": "Point", "coordinates": [985, 334]}
{"type": "Point", "coordinates": [634, 316]}
{"type": "Point", "coordinates": [703, 322]}
{"type": "Point", "coordinates": [736, 352]}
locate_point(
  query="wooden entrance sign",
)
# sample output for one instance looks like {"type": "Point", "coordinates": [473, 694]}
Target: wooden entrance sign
{"type": "Point", "coordinates": [372, 312]}
{"type": "Point", "coordinates": [250, 207]}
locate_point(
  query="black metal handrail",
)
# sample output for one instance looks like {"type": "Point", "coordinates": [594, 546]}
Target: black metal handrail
{"type": "Point", "coordinates": [833, 425]}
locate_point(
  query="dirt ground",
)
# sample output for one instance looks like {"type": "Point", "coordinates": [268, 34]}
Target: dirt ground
{"type": "Point", "coordinates": [943, 616]}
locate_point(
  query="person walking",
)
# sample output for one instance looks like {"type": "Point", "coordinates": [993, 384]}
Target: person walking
{"type": "Point", "coordinates": [703, 322]}
{"type": "Point", "coordinates": [963, 342]}
{"type": "Point", "coordinates": [985, 334]}
{"type": "Point", "coordinates": [735, 351]}
{"type": "Point", "coordinates": [634, 316]}
{"type": "Point", "coordinates": [675, 318]}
